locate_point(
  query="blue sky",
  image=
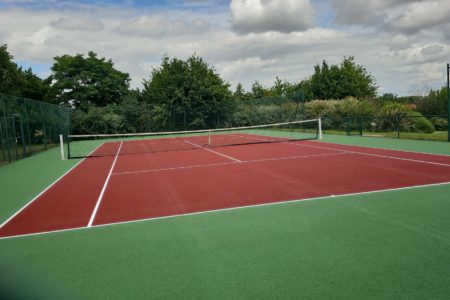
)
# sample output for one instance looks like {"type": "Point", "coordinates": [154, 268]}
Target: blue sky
{"type": "Point", "coordinates": [404, 44]}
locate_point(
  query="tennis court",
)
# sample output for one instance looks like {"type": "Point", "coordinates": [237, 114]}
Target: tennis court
{"type": "Point", "coordinates": [146, 179]}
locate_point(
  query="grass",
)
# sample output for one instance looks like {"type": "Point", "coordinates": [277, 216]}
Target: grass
{"type": "Point", "coordinates": [10, 156]}
{"type": "Point", "coordinates": [441, 136]}
{"type": "Point", "coordinates": [384, 245]}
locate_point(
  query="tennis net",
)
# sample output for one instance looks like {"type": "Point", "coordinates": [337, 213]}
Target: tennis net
{"type": "Point", "coordinates": [136, 143]}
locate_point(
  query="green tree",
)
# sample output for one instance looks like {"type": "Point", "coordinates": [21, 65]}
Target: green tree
{"type": "Point", "coordinates": [187, 95]}
{"type": "Point", "coordinates": [239, 92]}
{"type": "Point", "coordinates": [436, 103]}
{"type": "Point", "coordinates": [83, 81]}
{"type": "Point", "coordinates": [34, 87]}
{"type": "Point", "coordinates": [17, 82]}
{"type": "Point", "coordinates": [258, 91]}
{"type": "Point", "coordinates": [10, 76]}
{"type": "Point", "coordinates": [340, 81]}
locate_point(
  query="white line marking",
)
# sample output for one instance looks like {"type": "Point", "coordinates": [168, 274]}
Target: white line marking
{"type": "Point", "coordinates": [40, 194]}
{"type": "Point", "coordinates": [328, 197]}
{"type": "Point", "coordinates": [174, 168]}
{"type": "Point", "coordinates": [372, 154]}
{"type": "Point", "coordinates": [100, 197]}
{"type": "Point", "coordinates": [227, 163]}
{"type": "Point", "coordinates": [406, 151]}
{"type": "Point", "coordinates": [229, 157]}
{"type": "Point", "coordinates": [46, 189]}
{"type": "Point", "coordinates": [294, 157]}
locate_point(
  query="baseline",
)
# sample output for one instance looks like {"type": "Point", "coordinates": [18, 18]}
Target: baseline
{"type": "Point", "coordinates": [328, 197]}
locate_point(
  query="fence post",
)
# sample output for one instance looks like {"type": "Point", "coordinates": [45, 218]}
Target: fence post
{"type": "Point", "coordinates": [348, 125]}
{"type": "Point", "coordinates": [397, 121]}
{"type": "Point", "coordinates": [360, 125]}
{"type": "Point", "coordinates": [448, 96]}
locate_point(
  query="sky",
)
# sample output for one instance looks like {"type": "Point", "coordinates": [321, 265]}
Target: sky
{"type": "Point", "coordinates": [404, 44]}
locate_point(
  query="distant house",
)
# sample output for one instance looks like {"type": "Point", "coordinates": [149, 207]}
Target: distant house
{"type": "Point", "coordinates": [411, 105]}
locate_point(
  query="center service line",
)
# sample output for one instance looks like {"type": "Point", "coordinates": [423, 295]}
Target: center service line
{"type": "Point", "coordinates": [229, 157]}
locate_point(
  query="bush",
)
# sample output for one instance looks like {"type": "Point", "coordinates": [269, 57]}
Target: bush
{"type": "Point", "coordinates": [416, 122]}
{"type": "Point", "coordinates": [349, 107]}
{"type": "Point", "coordinates": [440, 124]}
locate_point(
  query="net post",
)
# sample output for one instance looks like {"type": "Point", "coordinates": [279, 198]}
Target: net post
{"type": "Point", "coordinates": [61, 142]}
{"type": "Point", "coordinates": [209, 138]}
{"type": "Point", "coordinates": [320, 128]}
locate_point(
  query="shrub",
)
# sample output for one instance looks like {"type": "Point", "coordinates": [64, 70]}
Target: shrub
{"type": "Point", "coordinates": [440, 124]}
{"type": "Point", "coordinates": [416, 122]}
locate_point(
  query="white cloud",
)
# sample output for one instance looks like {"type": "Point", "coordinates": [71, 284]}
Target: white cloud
{"type": "Point", "coordinates": [137, 39]}
{"type": "Point", "coordinates": [421, 15]}
{"type": "Point", "coordinates": [403, 16]}
{"type": "Point", "coordinates": [74, 23]}
{"type": "Point", "coordinates": [269, 15]}
{"type": "Point", "coordinates": [368, 12]}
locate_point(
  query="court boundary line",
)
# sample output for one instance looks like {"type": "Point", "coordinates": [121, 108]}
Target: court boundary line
{"type": "Point", "coordinates": [100, 197]}
{"type": "Point", "coordinates": [227, 163]}
{"type": "Point", "coordinates": [372, 154]}
{"type": "Point", "coordinates": [218, 153]}
{"type": "Point", "coordinates": [44, 190]}
{"type": "Point", "coordinates": [382, 148]}
{"type": "Point", "coordinates": [327, 197]}
{"type": "Point", "coordinates": [358, 152]}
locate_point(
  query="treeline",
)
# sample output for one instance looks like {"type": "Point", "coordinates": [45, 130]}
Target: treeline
{"type": "Point", "coordinates": [190, 94]}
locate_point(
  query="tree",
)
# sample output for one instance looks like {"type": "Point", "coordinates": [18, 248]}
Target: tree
{"type": "Point", "coordinates": [340, 81]}
{"type": "Point", "coordinates": [10, 77]}
{"type": "Point", "coordinates": [258, 91]}
{"type": "Point", "coordinates": [82, 81]}
{"type": "Point", "coordinates": [17, 82]}
{"type": "Point", "coordinates": [436, 103]}
{"type": "Point", "coordinates": [33, 86]}
{"type": "Point", "coordinates": [187, 95]}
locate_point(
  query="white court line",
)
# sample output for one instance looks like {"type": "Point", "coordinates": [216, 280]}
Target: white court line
{"type": "Point", "coordinates": [229, 157]}
{"type": "Point", "coordinates": [362, 153]}
{"type": "Point", "coordinates": [382, 148]}
{"type": "Point", "coordinates": [227, 163]}
{"type": "Point", "coordinates": [175, 168]}
{"type": "Point", "coordinates": [100, 197]}
{"type": "Point", "coordinates": [328, 197]}
{"type": "Point", "coordinates": [372, 154]}
{"type": "Point", "coordinates": [47, 188]}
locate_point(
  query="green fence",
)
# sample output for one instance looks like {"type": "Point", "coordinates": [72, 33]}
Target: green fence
{"type": "Point", "coordinates": [433, 127]}
{"type": "Point", "coordinates": [28, 127]}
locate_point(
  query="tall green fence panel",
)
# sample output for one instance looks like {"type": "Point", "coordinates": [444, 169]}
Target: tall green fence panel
{"type": "Point", "coordinates": [28, 127]}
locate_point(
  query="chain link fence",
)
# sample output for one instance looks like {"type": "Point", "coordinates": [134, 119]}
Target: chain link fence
{"type": "Point", "coordinates": [430, 127]}
{"type": "Point", "coordinates": [28, 127]}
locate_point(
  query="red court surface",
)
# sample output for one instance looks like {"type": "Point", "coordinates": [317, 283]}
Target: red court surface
{"type": "Point", "coordinates": [123, 188]}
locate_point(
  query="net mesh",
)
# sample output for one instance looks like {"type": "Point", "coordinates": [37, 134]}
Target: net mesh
{"type": "Point", "coordinates": [109, 144]}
